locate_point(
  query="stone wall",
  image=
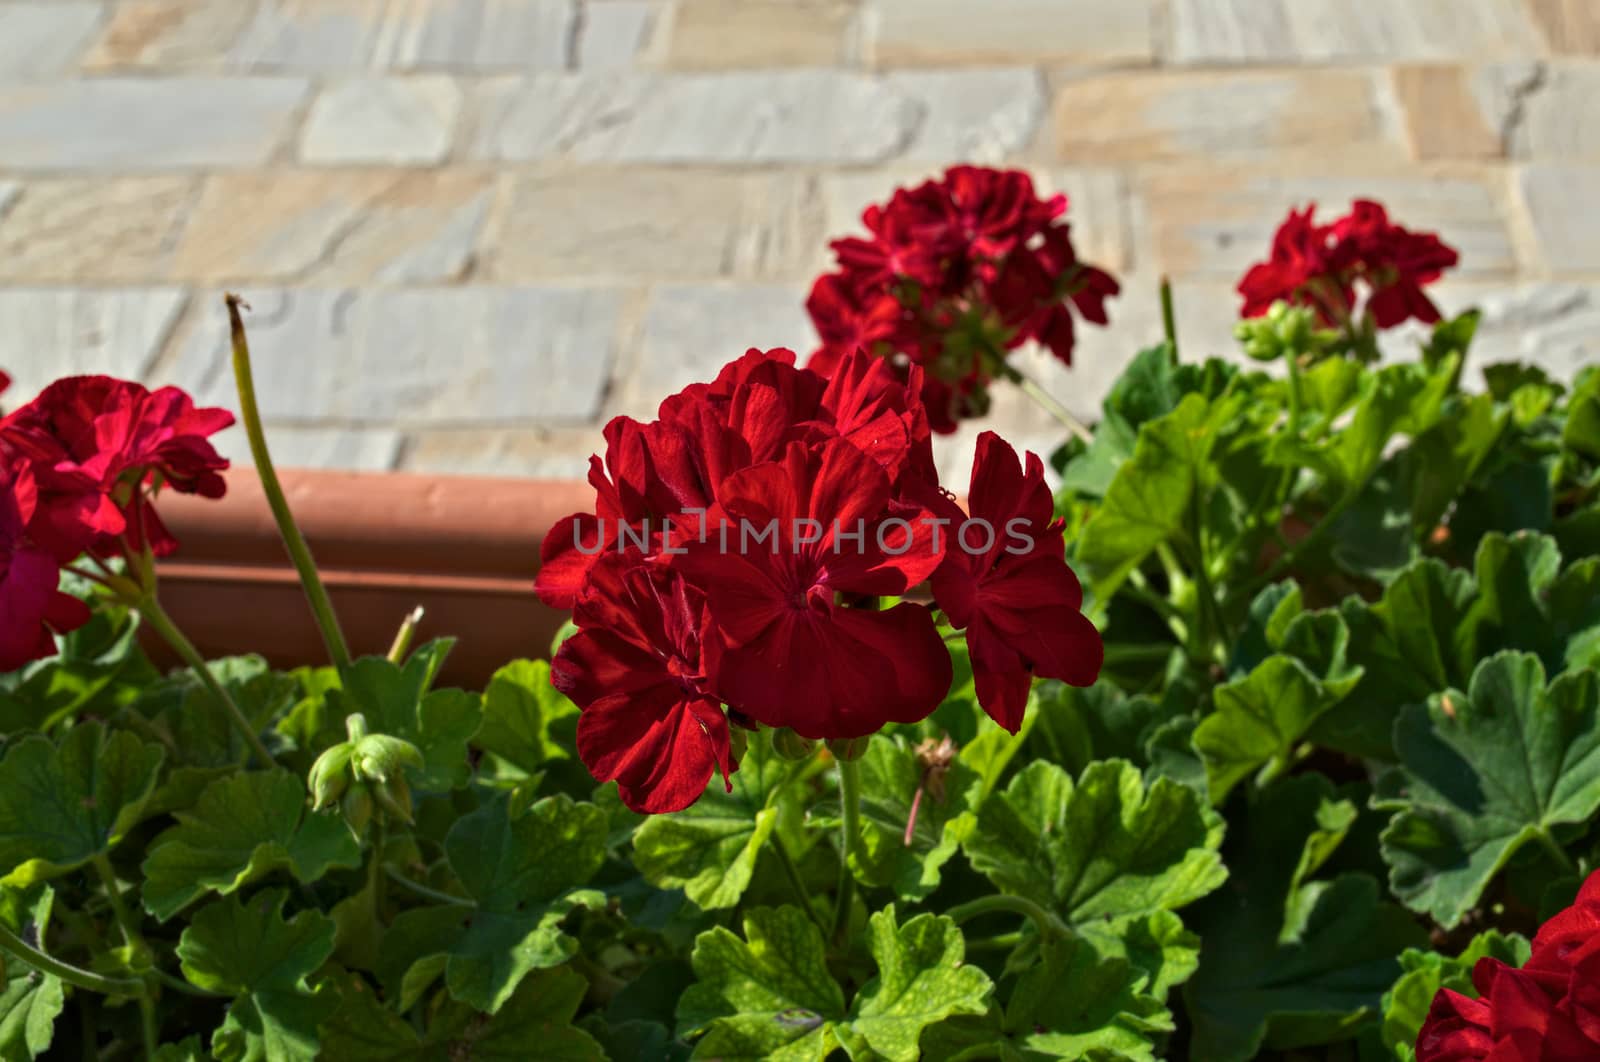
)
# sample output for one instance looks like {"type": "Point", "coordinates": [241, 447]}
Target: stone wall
{"type": "Point", "coordinates": [473, 230]}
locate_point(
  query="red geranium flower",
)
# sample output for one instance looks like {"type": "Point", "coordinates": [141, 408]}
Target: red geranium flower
{"type": "Point", "coordinates": [956, 273]}
{"type": "Point", "coordinates": [635, 669]}
{"type": "Point", "coordinates": [1004, 581]}
{"type": "Point", "coordinates": [99, 447]}
{"type": "Point", "coordinates": [791, 653]}
{"type": "Point", "coordinates": [1548, 1011]}
{"type": "Point", "coordinates": [32, 608]}
{"type": "Point", "coordinates": [1325, 266]}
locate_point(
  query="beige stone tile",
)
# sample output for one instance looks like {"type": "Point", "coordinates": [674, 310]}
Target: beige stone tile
{"type": "Point", "coordinates": [170, 34]}
{"type": "Point", "coordinates": [335, 227]}
{"type": "Point", "coordinates": [1570, 27]}
{"type": "Point", "coordinates": [1298, 31]}
{"type": "Point", "coordinates": [554, 453]}
{"type": "Point", "coordinates": [721, 34]}
{"type": "Point", "coordinates": [668, 224]}
{"type": "Point", "coordinates": [1217, 223]}
{"type": "Point", "coordinates": [1443, 119]}
{"type": "Point", "coordinates": [949, 32]}
{"type": "Point", "coordinates": [1204, 115]}
{"type": "Point", "coordinates": [100, 230]}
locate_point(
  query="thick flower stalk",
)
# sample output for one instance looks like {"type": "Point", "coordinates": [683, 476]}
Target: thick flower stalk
{"type": "Point", "coordinates": [1547, 1010]}
{"type": "Point", "coordinates": [750, 562]}
{"type": "Point", "coordinates": [954, 274]}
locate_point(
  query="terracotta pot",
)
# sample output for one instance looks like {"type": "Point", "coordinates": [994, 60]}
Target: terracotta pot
{"type": "Point", "coordinates": [464, 548]}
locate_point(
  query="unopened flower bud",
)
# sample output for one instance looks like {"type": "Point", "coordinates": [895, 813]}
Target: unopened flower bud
{"type": "Point", "coordinates": [792, 746]}
{"type": "Point", "coordinates": [848, 748]}
{"type": "Point", "coordinates": [330, 776]}
{"type": "Point", "coordinates": [357, 808]}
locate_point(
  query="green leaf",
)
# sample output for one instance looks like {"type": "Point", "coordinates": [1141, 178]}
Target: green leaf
{"type": "Point", "coordinates": [770, 995]}
{"type": "Point", "coordinates": [246, 949]}
{"type": "Point", "coordinates": [520, 708]}
{"type": "Point", "coordinates": [61, 807]}
{"type": "Point", "coordinates": [30, 1001]}
{"type": "Point", "coordinates": [1151, 493]}
{"type": "Point", "coordinates": [1405, 1006]}
{"type": "Point", "coordinates": [1075, 1003]}
{"type": "Point", "coordinates": [1259, 720]}
{"type": "Point", "coordinates": [201, 728]}
{"type": "Point", "coordinates": [921, 981]}
{"type": "Point", "coordinates": [535, 1022]}
{"type": "Point", "coordinates": [891, 776]}
{"type": "Point", "coordinates": [397, 701]}
{"type": "Point", "coordinates": [244, 827]}
{"type": "Point", "coordinates": [1105, 848]}
{"type": "Point", "coordinates": [1283, 965]}
{"type": "Point", "coordinates": [1157, 945]}
{"type": "Point", "coordinates": [522, 872]}
{"type": "Point", "coordinates": [1486, 773]}
{"type": "Point", "coordinates": [709, 850]}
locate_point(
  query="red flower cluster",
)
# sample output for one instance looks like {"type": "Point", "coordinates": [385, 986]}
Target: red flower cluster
{"type": "Point", "coordinates": [79, 467]}
{"type": "Point", "coordinates": [1548, 1011]}
{"type": "Point", "coordinates": [1320, 266]}
{"type": "Point", "coordinates": [737, 555]}
{"type": "Point", "coordinates": [956, 273]}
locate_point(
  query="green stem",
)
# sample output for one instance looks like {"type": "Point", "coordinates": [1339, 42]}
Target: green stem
{"type": "Point", "coordinates": [1288, 559]}
{"type": "Point", "coordinates": [1293, 427]}
{"type": "Point", "coordinates": [72, 975]}
{"type": "Point", "coordinates": [1046, 401]}
{"type": "Point", "coordinates": [135, 941]}
{"type": "Point", "coordinates": [178, 984]}
{"type": "Point", "coordinates": [1047, 923]}
{"type": "Point", "coordinates": [796, 883]}
{"type": "Point", "coordinates": [425, 891]}
{"type": "Point", "coordinates": [151, 611]}
{"type": "Point", "coordinates": [849, 840]}
{"type": "Point", "coordinates": [375, 866]}
{"type": "Point", "coordinates": [1169, 320]}
{"type": "Point", "coordinates": [293, 540]}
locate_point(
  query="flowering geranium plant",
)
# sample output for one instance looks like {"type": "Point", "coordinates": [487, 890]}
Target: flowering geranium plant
{"type": "Point", "coordinates": [1262, 720]}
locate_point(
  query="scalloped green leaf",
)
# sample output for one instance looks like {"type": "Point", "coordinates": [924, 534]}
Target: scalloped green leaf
{"type": "Point", "coordinates": [710, 849]}
{"type": "Point", "coordinates": [1286, 962]}
{"type": "Point", "coordinates": [30, 1000]}
{"type": "Point", "coordinates": [200, 727]}
{"type": "Point", "coordinates": [1485, 773]}
{"type": "Point", "coordinates": [1259, 719]}
{"type": "Point", "coordinates": [520, 710]}
{"type": "Point", "coordinates": [62, 806]}
{"type": "Point", "coordinates": [535, 1022]}
{"type": "Point", "coordinates": [246, 949]}
{"type": "Point", "coordinates": [770, 995]}
{"type": "Point", "coordinates": [891, 776]}
{"type": "Point", "coordinates": [523, 874]}
{"type": "Point", "coordinates": [1107, 847]}
{"type": "Point", "coordinates": [244, 827]}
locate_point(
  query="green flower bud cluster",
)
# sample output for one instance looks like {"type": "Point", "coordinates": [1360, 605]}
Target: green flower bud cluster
{"type": "Point", "coordinates": [365, 775]}
{"type": "Point", "coordinates": [1285, 330]}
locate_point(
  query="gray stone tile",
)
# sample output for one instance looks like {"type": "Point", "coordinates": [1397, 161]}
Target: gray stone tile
{"type": "Point", "coordinates": [388, 121]}
{"type": "Point", "coordinates": [297, 446]}
{"type": "Point", "coordinates": [46, 333]}
{"type": "Point", "coordinates": [799, 116]}
{"type": "Point", "coordinates": [982, 115]}
{"type": "Point", "coordinates": [135, 124]}
{"type": "Point", "coordinates": [1554, 326]}
{"type": "Point", "coordinates": [43, 38]}
{"type": "Point", "coordinates": [540, 453]}
{"type": "Point", "coordinates": [655, 223]}
{"type": "Point", "coordinates": [1561, 205]}
{"type": "Point", "coordinates": [950, 32]}
{"type": "Point", "coordinates": [1282, 31]}
{"type": "Point", "coordinates": [460, 356]}
{"type": "Point", "coordinates": [690, 332]}
{"type": "Point", "coordinates": [9, 191]}
{"type": "Point", "coordinates": [616, 32]}
{"type": "Point", "coordinates": [352, 35]}
{"type": "Point", "coordinates": [1557, 118]}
